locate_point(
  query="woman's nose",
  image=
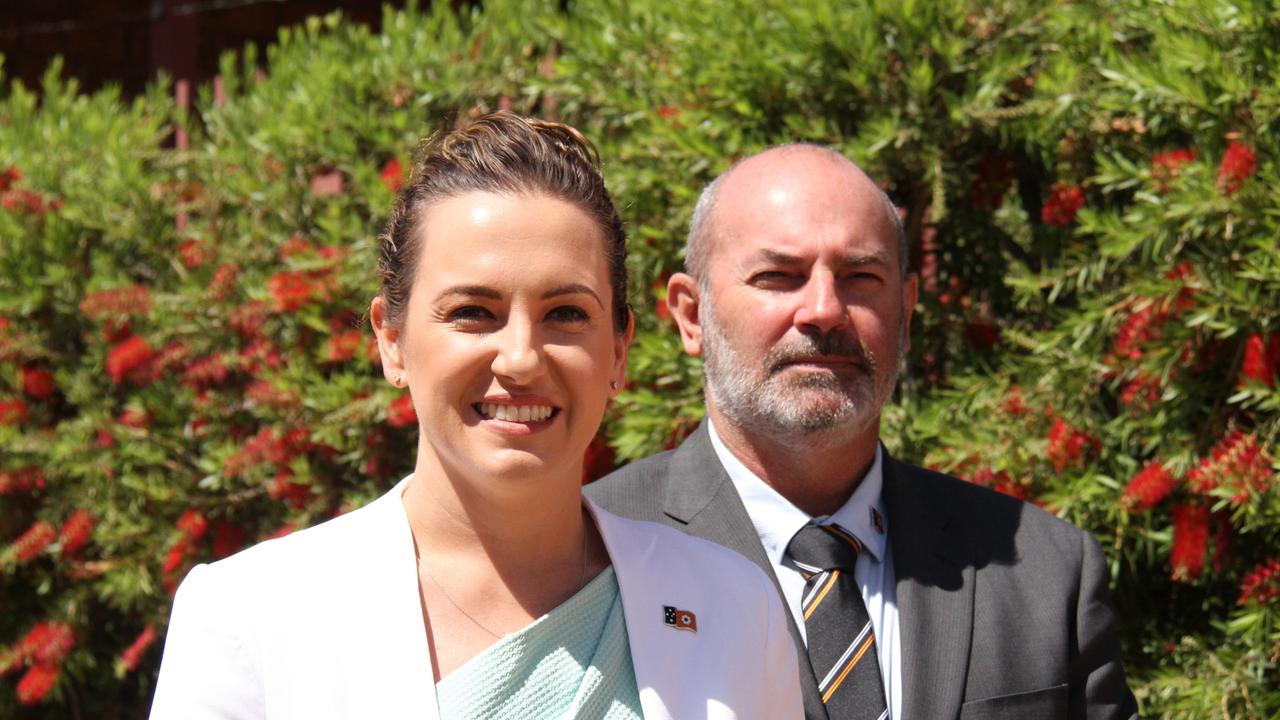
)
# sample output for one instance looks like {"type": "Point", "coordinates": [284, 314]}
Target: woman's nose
{"type": "Point", "coordinates": [518, 357]}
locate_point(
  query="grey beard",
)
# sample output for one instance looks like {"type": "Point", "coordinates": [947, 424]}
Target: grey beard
{"type": "Point", "coordinates": [761, 400]}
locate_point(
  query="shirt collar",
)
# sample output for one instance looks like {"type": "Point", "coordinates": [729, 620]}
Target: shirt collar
{"type": "Point", "coordinates": [777, 520]}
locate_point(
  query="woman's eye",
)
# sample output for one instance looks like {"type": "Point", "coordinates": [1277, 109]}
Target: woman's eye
{"type": "Point", "coordinates": [469, 314]}
{"type": "Point", "coordinates": [568, 314]}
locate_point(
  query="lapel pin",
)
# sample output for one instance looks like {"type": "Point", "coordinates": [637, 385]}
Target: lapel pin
{"type": "Point", "coordinates": [877, 521]}
{"type": "Point", "coordinates": [679, 619]}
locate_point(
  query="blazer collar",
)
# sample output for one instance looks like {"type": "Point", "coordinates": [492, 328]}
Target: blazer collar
{"type": "Point", "coordinates": [935, 586]}
{"type": "Point", "coordinates": [699, 495]}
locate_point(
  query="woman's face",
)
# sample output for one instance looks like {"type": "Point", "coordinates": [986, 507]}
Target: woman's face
{"type": "Point", "coordinates": [507, 342]}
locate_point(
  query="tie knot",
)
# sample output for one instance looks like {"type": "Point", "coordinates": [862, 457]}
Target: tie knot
{"type": "Point", "coordinates": [824, 547]}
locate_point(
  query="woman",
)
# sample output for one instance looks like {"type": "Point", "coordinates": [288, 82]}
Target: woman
{"type": "Point", "coordinates": [483, 585]}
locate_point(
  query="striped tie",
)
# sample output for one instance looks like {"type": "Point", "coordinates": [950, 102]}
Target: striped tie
{"type": "Point", "coordinates": [842, 643]}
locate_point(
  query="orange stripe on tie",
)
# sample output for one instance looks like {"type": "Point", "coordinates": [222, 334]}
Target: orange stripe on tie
{"type": "Point", "coordinates": [871, 638]}
{"type": "Point", "coordinates": [840, 533]}
{"type": "Point", "coordinates": [831, 581]}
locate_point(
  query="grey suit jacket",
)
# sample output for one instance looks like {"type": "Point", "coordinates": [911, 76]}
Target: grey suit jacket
{"type": "Point", "coordinates": [1003, 608]}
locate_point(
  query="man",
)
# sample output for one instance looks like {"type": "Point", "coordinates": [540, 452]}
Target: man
{"type": "Point", "coordinates": [912, 594]}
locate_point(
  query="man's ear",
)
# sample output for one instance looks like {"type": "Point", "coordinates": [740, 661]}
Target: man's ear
{"type": "Point", "coordinates": [910, 296]}
{"type": "Point", "coordinates": [683, 300]}
{"type": "Point", "coordinates": [388, 335]}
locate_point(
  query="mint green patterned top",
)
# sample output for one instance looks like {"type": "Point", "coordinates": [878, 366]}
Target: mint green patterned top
{"type": "Point", "coordinates": [573, 662]}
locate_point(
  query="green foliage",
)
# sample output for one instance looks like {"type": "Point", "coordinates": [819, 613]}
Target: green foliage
{"type": "Point", "coordinates": [1090, 305]}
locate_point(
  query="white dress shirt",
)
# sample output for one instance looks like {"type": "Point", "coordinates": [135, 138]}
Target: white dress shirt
{"type": "Point", "coordinates": [777, 520]}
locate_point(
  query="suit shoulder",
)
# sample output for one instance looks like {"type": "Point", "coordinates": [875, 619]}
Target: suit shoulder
{"type": "Point", "coordinates": [981, 508]}
{"type": "Point", "coordinates": [634, 490]}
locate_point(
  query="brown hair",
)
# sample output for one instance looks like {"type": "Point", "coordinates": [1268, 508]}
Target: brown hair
{"type": "Point", "coordinates": [501, 153]}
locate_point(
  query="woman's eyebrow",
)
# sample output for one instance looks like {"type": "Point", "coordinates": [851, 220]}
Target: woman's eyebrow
{"type": "Point", "coordinates": [470, 291]}
{"type": "Point", "coordinates": [572, 289]}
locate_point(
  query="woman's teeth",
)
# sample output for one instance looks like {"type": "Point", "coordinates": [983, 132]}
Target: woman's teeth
{"type": "Point", "coordinates": [515, 413]}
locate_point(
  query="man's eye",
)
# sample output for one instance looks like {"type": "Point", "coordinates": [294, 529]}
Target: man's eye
{"type": "Point", "coordinates": [773, 279]}
{"type": "Point", "coordinates": [568, 314]}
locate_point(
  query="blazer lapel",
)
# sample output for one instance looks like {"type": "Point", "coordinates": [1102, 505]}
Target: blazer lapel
{"type": "Point", "coordinates": [700, 496]}
{"type": "Point", "coordinates": [935, 586]}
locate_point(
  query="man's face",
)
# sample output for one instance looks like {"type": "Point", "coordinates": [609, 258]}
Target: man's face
{"type": "Point", "coordinates": [803, 309]}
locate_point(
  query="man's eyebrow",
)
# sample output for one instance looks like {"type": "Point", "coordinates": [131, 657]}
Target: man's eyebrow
{"type": "Point", "coordinates": [773, 257]}
{"type": "Point", "coordinates": [861, 260]}
{"type": "Point", "coordinates": [470, 291]}
{"type": "Point", "coordinates": [572, 289]}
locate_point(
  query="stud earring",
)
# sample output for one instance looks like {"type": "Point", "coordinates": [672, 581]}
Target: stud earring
{"type": "Point", "coordinates": [613, 384]}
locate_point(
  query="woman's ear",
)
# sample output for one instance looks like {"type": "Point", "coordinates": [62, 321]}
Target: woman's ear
{"type": "Point", "coordinates": [388, 335]}
{"type": "Point", "coordinates": [683, 298]}
{"type": "Point", "coordinates": [621, 343]}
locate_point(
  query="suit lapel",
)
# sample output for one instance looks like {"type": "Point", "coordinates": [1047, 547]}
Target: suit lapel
{"type": "Point", "coordinates": [935, 586]}
{"type": "Point", "coordinates": [700, 497]}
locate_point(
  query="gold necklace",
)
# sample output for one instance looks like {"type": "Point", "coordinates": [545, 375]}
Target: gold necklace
{"type": "Point", "coordinates": [582, 581]}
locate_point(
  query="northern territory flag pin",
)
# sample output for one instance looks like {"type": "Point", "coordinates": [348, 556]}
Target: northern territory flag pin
{"type": "Point", "coordinates": [679, 619]}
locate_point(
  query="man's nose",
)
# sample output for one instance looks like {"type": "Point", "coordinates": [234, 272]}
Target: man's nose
{"type": "Point", "coordinates": [820, 305]}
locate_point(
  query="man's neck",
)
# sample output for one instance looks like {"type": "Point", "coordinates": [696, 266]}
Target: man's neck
{"type": "Point", "coordinates": [816, 471]}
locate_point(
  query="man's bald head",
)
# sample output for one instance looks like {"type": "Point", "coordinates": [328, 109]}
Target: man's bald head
{"type": "Point", "coordinates": [792, 157]}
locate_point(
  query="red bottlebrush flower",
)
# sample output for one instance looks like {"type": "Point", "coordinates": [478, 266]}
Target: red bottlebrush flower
{"type": "Point", "coordinates": [343, 346]}
{"type": "Point", "coordinates": [1190, 540]}
{"type": "Point", "coordinates": [1000, 481]}
{"type": "Point", "coordinates": [1142, 392]}
{"type": "Point", "coordinates": [248, 318]}
{"type": "Point", "coordinates": [282, 531]}
{"type": "Point", "coordinates": [1064, 202]}
{"type": "Point", "coordinates": [10, 176]}
{"type": "Point", "coordinates": [993, 175]}
{"type": "Point", "coordinates": [13, 481]}
{"type": "Point", "coordinates": [292, 290]}
{"type": "Point", "coordinates": [206, 372]}
{"type": "Point", "coordinates": [131, 355]}
{"type": "Point", "coordinates": [1139, 328]}
{"type": "Point", "coordinates": [392, 176]}
{"type": "Point", "coordinates": [1236, 463]}
{"type": "Point", "coordinates": [192, 524]}
{"type": "Point", "coordinates": [132, 655]}
{"type": "Point", "coordinates": [283, 487]}
{"type": "Point", "coordinates": [36, 683]}
{"type": "Point", "coordinates": [1238, 164]}
{"type": "Point", "coordinates": [37, 382]}
{"type": "Point", "coordinates": [1166, 165]}
{"type": "Point", "coordinates": [135, 417]}
{"type": "Point", "coordinates": [1255, 366]}
{"type": "Point", "coordinates": [1261, 585]}
{"type": "Point", "coordinates": [76, 532]}
{"type": "Point", "coordinates": [1069, 446]}
{"type": "Point", "coordinates": [1148, 487]}
{"type": "Point", "coordinates": [105, 439]}
{"type": "Point", "coordinates": [27, 202]}
{"type": "Point", "coordinates": [48, 642]}
{"type": "Point", "coordinates": [117, 302]}
{"type": "Point", "coordinates": [176, 556]}
{"type": "Point", "coordinates": [981, 335]}
{"type": "Point", "coordinates": [1013, 402]}
{"type": "Point", "coordinates": [400, 412]}
{"type": "Point", "coordinates": [194, 253]}
{"type": "Point", "coordinates": [36, 538]}
{"type": "Point", "coordinates": [13, 412]}
{"type": "Point", "coordinates": [224, 279]}
{"type": "Point", "coordinates": [668, 111]}
{"type": "Point", "coordinates": [264, 394]}
{"type": "Point", "coordinates": [227, 538]}
{"type": "Point", "coordinates": [296, 245]}
{"type": "Point", "coordinates": [598, 460]}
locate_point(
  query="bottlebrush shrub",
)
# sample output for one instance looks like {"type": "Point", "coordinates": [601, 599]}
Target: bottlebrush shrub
{"type": "Point", "coordinates": [183, 370]}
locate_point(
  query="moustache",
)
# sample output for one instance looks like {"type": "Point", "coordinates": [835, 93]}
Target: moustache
{"type": "Point", "coordinates": [831, 345]}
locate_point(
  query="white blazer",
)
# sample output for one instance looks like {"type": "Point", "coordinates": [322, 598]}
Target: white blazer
{"type": "Point", "coordinates": [327, 623]}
